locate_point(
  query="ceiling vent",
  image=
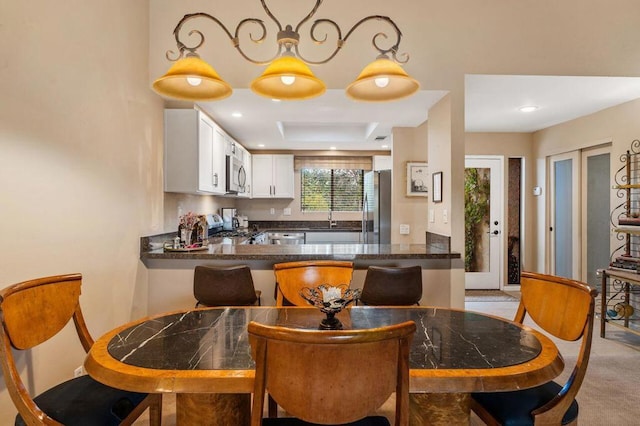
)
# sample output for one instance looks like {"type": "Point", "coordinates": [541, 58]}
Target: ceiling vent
{"type": "Point", "coordinates": [380, 138]}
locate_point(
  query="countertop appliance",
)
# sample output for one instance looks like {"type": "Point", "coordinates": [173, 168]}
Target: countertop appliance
{"type": "Point", "coordinates": [376, 207]}
{"type": "Point", "coordinates": [229, 218]}
{"type": "Point", "coordinates": [233, 236]}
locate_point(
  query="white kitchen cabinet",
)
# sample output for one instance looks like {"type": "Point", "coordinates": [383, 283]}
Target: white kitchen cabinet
{"type": "Point", "coordinates": [194, 153]}
{"type": "Point", "coordinates": [382, 162]}
{"type": "Point", "coordinates": [272, 176]}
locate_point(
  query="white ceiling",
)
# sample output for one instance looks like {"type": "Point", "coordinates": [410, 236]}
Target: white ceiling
{"type": "Point", "coordinates": [492, 102]}
{"type": "Point", "coordinates": [491, 105]}
{"type": "Point", "coordinates": [330, 120]}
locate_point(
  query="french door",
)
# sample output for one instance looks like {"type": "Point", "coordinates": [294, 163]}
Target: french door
{"type": "Point", "coordinates": [483, 222]}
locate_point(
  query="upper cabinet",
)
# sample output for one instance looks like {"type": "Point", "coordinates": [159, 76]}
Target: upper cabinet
{"type": "Point", "coordinates": [382, 162]}
{"type": "Point", "coordinates": [194, 153]}
{"type": "Point", "coordinates": [272, 176]}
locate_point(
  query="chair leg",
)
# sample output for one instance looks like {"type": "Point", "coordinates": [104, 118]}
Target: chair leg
{"type": "Point", "coordinates": [273, 408]}
{"type": "Point", "coordinates": [153, 402]}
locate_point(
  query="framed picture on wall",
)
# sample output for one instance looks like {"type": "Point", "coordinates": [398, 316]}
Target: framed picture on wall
{"type": "Point", "coordinates": [437, 187]}
{"type": "Point", "coordinates": [417, 180]}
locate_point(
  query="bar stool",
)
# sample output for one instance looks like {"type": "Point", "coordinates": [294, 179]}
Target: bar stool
{"type": "Point", "coordinates": [399, 285]}
{"type": "Point", "coordinates": [224, 286]}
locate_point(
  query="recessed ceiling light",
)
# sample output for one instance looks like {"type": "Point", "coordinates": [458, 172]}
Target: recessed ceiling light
{"type": "Point", "coordinates": [528, 108]}
{"type": "Point", "coordinates": [385, 146]}
{"type": "Point", "coordinates": [236, 114]}
{"type": "Point", "coordinates": [275, 100]}
{"type": "Point", "coordinates": [332, 148]}
{"type": "Point", "coordinates": [260, 145]}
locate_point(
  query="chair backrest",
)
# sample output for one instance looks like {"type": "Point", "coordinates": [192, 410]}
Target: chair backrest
{"type": "Point", "coordinates": [331, 377]}
{"type": "Point", "coordinates": [563, 308]}
{"type": "Point", "coordinates": [291, 277]}
{"type": "Point", "coordinates": [401, 285]}
{"type": "Point", "coordinates": [224, 286]}
{"type": "Point", "coordinates": [31, 313]}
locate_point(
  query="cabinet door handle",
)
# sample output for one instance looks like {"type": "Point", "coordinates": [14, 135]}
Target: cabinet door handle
{"type": "Point", "coordinates": [215, 179]}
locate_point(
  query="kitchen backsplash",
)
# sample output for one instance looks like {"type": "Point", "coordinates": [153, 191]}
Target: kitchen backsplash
{"type": "Point", "coordinates": [304, 224]}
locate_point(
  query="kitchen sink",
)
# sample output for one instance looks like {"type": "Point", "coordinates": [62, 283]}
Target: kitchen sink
{"type": "Point", "coordinates": [286, 237]}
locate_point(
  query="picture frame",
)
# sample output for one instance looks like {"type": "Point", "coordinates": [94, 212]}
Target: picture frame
{"type": "Point", "coordinates": [437, 187]}
{"type": "Point", "coordinates": [417, 179]}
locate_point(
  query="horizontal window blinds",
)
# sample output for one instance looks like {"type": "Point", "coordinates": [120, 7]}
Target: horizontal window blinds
{"type": "Point", "coordinates": [331, 189]}
{"type": "Point", "coordinates": [328, 162]}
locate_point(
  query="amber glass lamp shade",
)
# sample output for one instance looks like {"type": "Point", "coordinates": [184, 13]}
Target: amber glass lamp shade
{"type": "Point", "coordinates": [192, 79]}
{"type": "Point", "coordinates": [288, 78]}
{"type": "Point", "coordinates": [382, 80]}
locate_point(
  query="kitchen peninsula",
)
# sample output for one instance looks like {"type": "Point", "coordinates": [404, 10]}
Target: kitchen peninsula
{"type": "Point", "coordinates": [171, 273]}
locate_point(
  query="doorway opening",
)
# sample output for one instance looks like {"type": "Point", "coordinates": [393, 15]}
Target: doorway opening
{"type": "Point", "coordinates": [514, 220]}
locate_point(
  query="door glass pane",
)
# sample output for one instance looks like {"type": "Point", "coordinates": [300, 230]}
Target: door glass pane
{"type": "Point", "coordinates": [477, 188]}
{"type": "Point", "coordinates": [597, 217]}
{"type": "Point", "coordinates": [563, 213]}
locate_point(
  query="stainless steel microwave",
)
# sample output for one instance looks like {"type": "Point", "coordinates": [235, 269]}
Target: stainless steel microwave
{"type": "Point", "coordinates": [236, 175]}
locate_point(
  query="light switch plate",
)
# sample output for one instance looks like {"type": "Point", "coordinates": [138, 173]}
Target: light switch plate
{"type": "Point", "coordinates": [445, 216]}
{"type": "Point", "coordinates": [272, 211]}
{"type": "Point", "coordinates": [404, 229]}
{"type": "Point", "coordinates": [287, 212]}
{"type": "Point", "coordinates": [432, 215]}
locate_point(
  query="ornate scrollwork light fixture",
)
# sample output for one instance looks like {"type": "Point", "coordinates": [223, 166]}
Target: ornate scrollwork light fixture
{"type": "Point", "coordinates": [287, 76]}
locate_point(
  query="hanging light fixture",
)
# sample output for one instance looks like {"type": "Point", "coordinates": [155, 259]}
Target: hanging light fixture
{"type": "Point", "coordinates": [287, 76]}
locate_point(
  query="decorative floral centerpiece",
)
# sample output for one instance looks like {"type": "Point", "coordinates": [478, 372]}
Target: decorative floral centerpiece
{"type": "Point", "coordinates": [187, 223]}
{"type": "Point", "coordinates": [330, 300]}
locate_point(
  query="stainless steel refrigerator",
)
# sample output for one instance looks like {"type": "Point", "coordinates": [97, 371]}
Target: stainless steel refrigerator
{"type": "Point", "coordinates": [376, 207]}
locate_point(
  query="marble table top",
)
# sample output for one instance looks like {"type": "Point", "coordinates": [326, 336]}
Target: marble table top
{"type": "Point", "coordinates": [216, 339]}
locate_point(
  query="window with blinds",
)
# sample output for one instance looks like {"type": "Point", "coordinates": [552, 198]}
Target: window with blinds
{"type": "Point", "coordinates": [324, 189]}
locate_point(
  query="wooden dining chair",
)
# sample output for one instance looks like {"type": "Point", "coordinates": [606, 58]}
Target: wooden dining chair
{"type": "Point", "coordinates": [291, 277]}
{"type": "Point", "coordinates": [34, 311]}
{"type": "Point", "coordinates": [563, 308]}
{"type": "Point", "coordinates": [224, 286]}
{"type": "Point", "coordinates": [331, 377]}
{"type": "Point", "coordinates": [392, 286]}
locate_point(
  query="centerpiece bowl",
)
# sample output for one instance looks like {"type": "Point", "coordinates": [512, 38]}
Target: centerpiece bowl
{"type": "Point", "coordinates": [330, 300]}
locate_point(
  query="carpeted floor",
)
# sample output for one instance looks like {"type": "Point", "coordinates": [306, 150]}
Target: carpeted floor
{"type": "Point", "coordinates": [490, 296]}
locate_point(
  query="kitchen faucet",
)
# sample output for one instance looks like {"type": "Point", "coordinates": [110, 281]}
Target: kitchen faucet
{"type": "Point", "coordinates": [332, 222]}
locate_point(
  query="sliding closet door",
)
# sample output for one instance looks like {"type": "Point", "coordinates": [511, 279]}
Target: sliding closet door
{"type": "Point", "coordinates": [564, 229]}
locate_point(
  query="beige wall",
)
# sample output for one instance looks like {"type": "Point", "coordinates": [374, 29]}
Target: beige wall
{"type": "Point", "coordinates": [409, 145]}
{"type": "Point", "coordinates": [80, 162]}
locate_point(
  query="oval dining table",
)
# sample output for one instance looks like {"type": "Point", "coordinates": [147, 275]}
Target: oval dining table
{"type": "Point", "coordinates": [204, 357]}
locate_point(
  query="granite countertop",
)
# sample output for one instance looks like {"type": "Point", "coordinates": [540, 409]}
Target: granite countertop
{"type": "Point", "coordinates": [290, 252]}
{"type": "Point", "coordinates": [437, 247]}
